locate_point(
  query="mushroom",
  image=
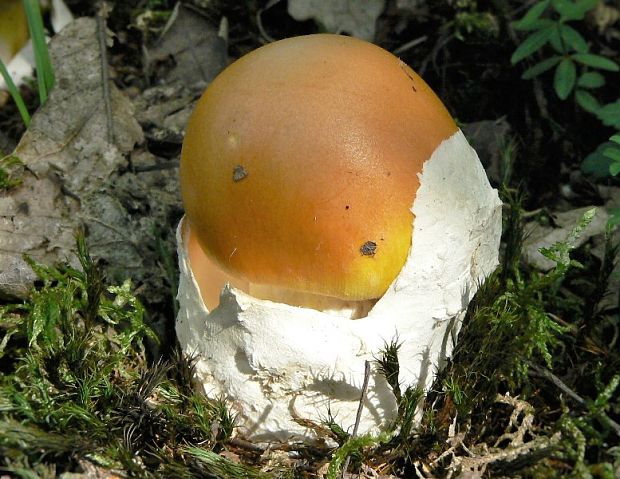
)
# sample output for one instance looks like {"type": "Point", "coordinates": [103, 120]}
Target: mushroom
{"type": "Point", "coordinates": [332, 206]}
{"type": "Point", "coordinates": [13, 29]}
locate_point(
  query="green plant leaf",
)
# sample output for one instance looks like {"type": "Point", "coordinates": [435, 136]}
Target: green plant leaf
{"type": "Point", "coordinates": [586, 5]}
{"type": "Point", "coordinates": [531, 44]}
{"type": "Point", "coordinates": [540, 24]}
{"type": "Point", "coordinates": [572, 11]}
{"type": "Point", "coordinates": [573, 38]}
{"type": "Point", "coordinates": [591, 80]}
{"type": "Point", "coordinates": [614, 218]}
{"type": "Point", "coordinates": [597, 164]}
{"type": "Point", "coordinates": [529, 20]}
{"type": "Point", "coordinates": [45, 74]}
{"type": "Point", "coordinates": [587, 101]}
{"type": "Point", "coordinates": [541, 67]}
{"type": "Point", "coordinates": [565, 8]}
{"type": "Point", "coordinates": [614, 154]}
{"type": "Point", "coordinates": [614, 168]}
{"type": "Point", "coordinates": [556, 42]}
{"type": "Point", "coordinates": [615, 138]}
{"type": "Point", "coordinates": [596, 61]}
{"type": "Point", "coordinates": [610, 114]}
{"type": "Point", "coordinates": [564, 78]}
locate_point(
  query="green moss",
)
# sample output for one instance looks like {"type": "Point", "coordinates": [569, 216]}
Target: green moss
{"type": "Point", "coordinates": [515, 345]}
{"type": "Point", "coordinates": [10, 169]}
{"type": "Point", "coordinates": [77, 386]}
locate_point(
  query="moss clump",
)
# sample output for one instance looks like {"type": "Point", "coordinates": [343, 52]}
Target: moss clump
{"type": "Point", "coordinates": [77, 389]}
{"type": "Point", "coordinates": [532, 387]}
{"type": "Point", "coordinates": [10, 172]}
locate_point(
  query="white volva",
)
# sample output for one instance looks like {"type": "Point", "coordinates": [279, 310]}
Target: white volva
{"type": "Point", "coordinates": [274, 362]}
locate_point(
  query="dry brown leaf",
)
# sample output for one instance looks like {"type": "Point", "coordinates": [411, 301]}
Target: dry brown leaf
{"type": "Point", "coordinates": [75, 178]}
{"type": "Point", "coordinates": [356, 17]}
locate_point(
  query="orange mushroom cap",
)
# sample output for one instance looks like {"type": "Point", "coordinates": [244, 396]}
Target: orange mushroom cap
{"type": "Point", "coordinates": [300, 165]}
{"type": "Point", "coordinates": [13, 29]}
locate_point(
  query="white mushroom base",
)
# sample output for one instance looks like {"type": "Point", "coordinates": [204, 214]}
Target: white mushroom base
{"type": "Point", "coordinates": [274, 363]}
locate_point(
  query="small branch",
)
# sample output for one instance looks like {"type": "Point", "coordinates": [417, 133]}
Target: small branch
{"type": "Point", "coordinates": [259, 21]}
{"type": "Point", "coordinates": [409, 45]}
{"type": "Point", "coordinates": [101, 16]}
{"type": "Point", "coordinates": [557, 382]}
{"type": "Point", "coordinates": [240, 443]}
{"type": "Point", "coordinates": [360, 408]}
{"type": "Point", "coordinates": [442, 41]}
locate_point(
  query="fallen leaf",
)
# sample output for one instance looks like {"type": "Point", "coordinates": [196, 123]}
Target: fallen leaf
{"type": "Point", "coordinates": [197, 51]}
{"type": "Point", "coordinates": [356, 17]}
{"type": "Point", "coordinates": [75, 178]}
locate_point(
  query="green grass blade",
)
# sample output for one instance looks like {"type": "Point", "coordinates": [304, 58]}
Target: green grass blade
{"type": "Point", "coordinates": [45, 74]}
{"type": "Point", "coordinates": [17, 97]}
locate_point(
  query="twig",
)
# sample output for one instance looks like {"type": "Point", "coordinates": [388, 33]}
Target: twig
{"type": "Point", "coordinates": [240, 443]}
{"type": "Point", "coordinates": [360, 407]}
{"type": "Point", "coordinates": [542, 372]}
{"type": "Point", "coordinates": [126, 238]}
{"type": "Point", "coordinates": [443, 40]}
{"type": "Point", "coordinates": [259, 21]}
{"type": "Point", "coordinates": [569, 392]}
{"type": "Point", "coordinates": [409, 45]}
{"type": "Point", "coordinates": [174, 14]}
{"type": "Point", "coordinates": [102, 14]}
